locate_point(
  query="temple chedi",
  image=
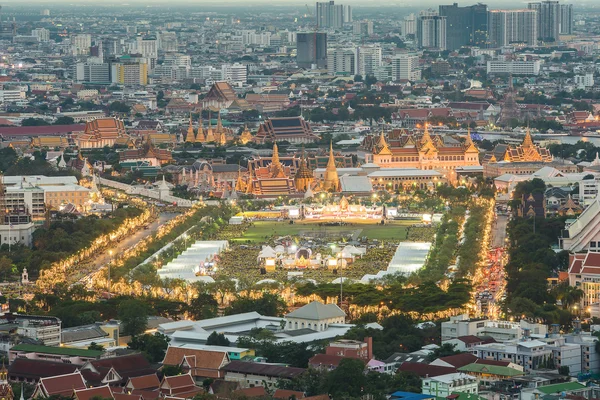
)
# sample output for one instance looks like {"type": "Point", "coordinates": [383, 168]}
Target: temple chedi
{"type": "Point", "coordinates": [190, 136]}
{"type": "Point", "coordinates": [246, 136]}
{"type": "Point", "coordinates": [331, 181]}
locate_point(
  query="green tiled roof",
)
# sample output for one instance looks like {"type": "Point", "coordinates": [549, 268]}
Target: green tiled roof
{"type": "Point", "coordinates": [561, 387]}
{"type": "Point", "coordinates": [65, 351]}
{"type": "Point", "coordinates": [491, 369]}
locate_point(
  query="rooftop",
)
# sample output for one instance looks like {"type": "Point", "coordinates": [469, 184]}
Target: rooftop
{"type": "Point", "coordinates": [66, 351]}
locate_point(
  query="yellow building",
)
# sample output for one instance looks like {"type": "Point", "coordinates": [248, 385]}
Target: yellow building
{"type": "Point", "coordinates": [130, 73]}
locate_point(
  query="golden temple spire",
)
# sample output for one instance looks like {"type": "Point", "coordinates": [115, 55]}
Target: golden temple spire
{"type": "Point", "coordinates": [210, 137]}
{"type": "Point", "coordinates": [383, 146]}
{"type": "Point", "coordinates": [527, 142]}
{"type": "Point", "coordinates": [276, 167]}
{"type": "Point", "coordinates": [426, 137]}
{"type": "Point", "coordinates": [190, 132]}
{"type": "Point", "coordinates": [331, 180]}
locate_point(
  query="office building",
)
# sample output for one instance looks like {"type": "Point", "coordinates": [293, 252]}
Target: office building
{"type": "Point", "coordinates": [93, 72]}
{"type": "Point", "coordinates": [566, 19]}
{"type": "Point", "coordinates": [368, 59]}
{"type": "Point", "coordinates": [129, 73]}
{"type": "Point", "coordinates": [147, 46]}
{"type": "Point", "coordinates": [406, 67]}
{"type": "Point", "coordinates": [548, 20]}
{"type": "Point", "coordinates": [331, 15]}
{"type": "Point", "coordinates": [507, 27]}
{"type": "Point", "coordinates": [80, 44]}
{"type": "Point", "coordinates": [464, 25]}
{"type": "Point", "coordinates": [584, 81]}
{"type": "Point", "coordinates": [311, 50]}
{"type": "Point", "coordinates": [431, 31]}
{"type": "Point", "coordinates": [514, 67]}
{"type": "Point", "coordinates": [235, 73]}
{"type": "Point", "coordinates": [341, 62]}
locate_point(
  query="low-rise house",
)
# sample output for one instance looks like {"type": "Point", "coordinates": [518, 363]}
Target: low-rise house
{"type": "Point", "coordinates": [251, 373]}
{"type": "Point", "coordinates": [181, 386]}
{"type": "Point", "coordinates": [144, 382]}
{"type": "Point", "coordinates": [487, 374]}
{"type": "Point", "coordinates": [199, 363]}
{"type": "Point", "coordinates": [115, 371]}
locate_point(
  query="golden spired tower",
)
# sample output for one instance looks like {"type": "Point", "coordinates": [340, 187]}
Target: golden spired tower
{"type": "Point", "coordinates": [276, 169]}
{"type": "Point", "coordinates": [190, 138]}
{"type": "Point", "coordinates": [304, 176]}
{"type": "Point", "coordinates": [331, 181]}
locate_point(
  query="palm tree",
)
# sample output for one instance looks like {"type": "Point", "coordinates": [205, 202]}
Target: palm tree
{"type": "Point", "coordinates": [568, 295]}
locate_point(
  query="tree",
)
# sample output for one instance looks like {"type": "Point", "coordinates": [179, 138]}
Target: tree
{"type": "Point", "coordinates": [119, 107]}
{"type": "Point", "coordinates": [217, 339]}
{"type": "Point", "coordinates": [34, 122]}
{"type": "Point", "coordinates": [203, 307]}
{"type": "Point", "coordinates": [134, 316]}
{"type": "Point", "coordinates": [347, 380]}
{"type": "Point", "coordinates": [171, 370]}
{"type": "Point", "coordinates": [95, 346]}
{"type": "Point", "coordinates": [153, 347]}
{"type": "Point", "coordinates": [446, 349]}
{"type": "Point", "coordinates": [269, 304]}
{"type": "Point", "coordinates": [6, 267]}
{"type": "Point", "coordinates": [370, 80]}
{"type": "Point", "coordinates": [64, 120]}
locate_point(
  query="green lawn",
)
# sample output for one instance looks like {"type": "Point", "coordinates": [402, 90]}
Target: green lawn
{"type": "Point", "coordinates": [394, 230]}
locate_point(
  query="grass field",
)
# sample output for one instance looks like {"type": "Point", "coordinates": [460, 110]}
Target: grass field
{"type": "Point", "coordinates": [393, 230]}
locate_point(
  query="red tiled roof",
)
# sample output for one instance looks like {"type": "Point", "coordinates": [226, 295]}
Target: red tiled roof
{"type": "Point", "coordinates": [143, 382]}
{"type": "Point", "coordinates": [13, 131]}
{"type": "Point", "coordinates": [258, 391]}
{"type": "Point", "coordinates": [284, 394]}
{"type": "Point", "coordinates": [102, 392]}
{"type": "Point", "coordinates": [325, 360]}
{"type": "Point", "coordinates": [470, 339]}
{"type": "Point", "coordinates": [199, 358]}
{"type": "Point", "coordinates": [62, 384]}
{"type": "Point", "coordinates": [126, 366]}
{"type": "Point", "coordinates": [425, 369]}
{"type": "Point", "coordinates": [592, 260]}
{"type": "Point", "coordinates": [459, 360]}
{"type": "Point", "coordinates": [36, 369]}
{"type": "Point", "coordinates": [125, 396]}
{"type": "Point", "coordinates": [178, 381]}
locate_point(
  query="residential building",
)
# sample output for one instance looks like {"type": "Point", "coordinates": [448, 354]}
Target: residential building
{"type": "Point", "coordinates": [331, 15]}
{"type": "Point", "coordinates": [529, 353]}
{"type": "Point", "coordinates": [514, 67]}
{"type": "Point", "coordinates": [368, 59]}
{"type": "Point", "coordinates": [512, 27]}
{"type": "Point", "coordinates": [566, 19]}
{"type": "Point", "coordinates": [249, 374]}
{"type": "Point", "coordinates": [362, 28]}
{"type": "Point", "coordinates": [406, 67]}
{"type": "Point", "coordinates": [341, 62]}
{"type": "Point", "coordinates": [311, 50]}
{"type": "Point", "coordinates": [130, 73]}
{"type": "Point", "coordinates": [42, 34]}
{"type": "Point", "coordinates": [445, 385]}
{"type": "Point", "coordinates": [585, 81]}
{"type": "Point", "coordinates": [408, 26]}
{"type": "Point", "coordinates": [462, 325]}
{"type": "Point", "coordinates": [93, 72]}
{"type": "Point", "coordinates": [431, 31]}
{"type": "Point", "coordinates": [548, 19]}
{"type": "Point", "coordinates": [80, 44]}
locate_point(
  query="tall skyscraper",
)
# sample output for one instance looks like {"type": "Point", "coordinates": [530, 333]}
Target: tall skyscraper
{"type": "Point", "coordinates": [431, 31]}
{"type": "Point", "coordinates": [512, 27]}
{"type": "Point", "coordinates": [465, 25]}
{"type": "Point", "coordinates": [331, 15]}
{"type": "Point", "coordinates": [311, 49]}
{"type": "Point", "coordinates": [566, 19]}
{"type": "Point", "coordinates": [548, 19]}
{"type": "Point", "coordinates": [408, 25]}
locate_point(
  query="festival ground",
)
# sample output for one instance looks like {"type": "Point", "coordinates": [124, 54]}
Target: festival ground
{"type": "Point", "coordinates": [240, 261]}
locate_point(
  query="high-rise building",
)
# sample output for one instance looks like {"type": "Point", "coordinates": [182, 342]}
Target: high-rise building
{"type": "Point", "coordinates": [147, 46]}
{"type": "Point", "coordinates": [80, 44]}
{"type": "Point", "coordinates": [341, 62]}
{"type": "Point", "coordinates": [566, 19]}
{"type": "Point", "coordinates": [431, 31]}
{"type": "Point", "coordinates": [168, 41]}
{"type": "Point", "coordinates": [93, 72]}
{"type": "Point", "coordinates": [130, 73]}
{"type": "Point", "coordinates": [331, 15]}
{"type": "Point", "coordinates": [464, 25]}
{"type": "Point", "coordinates": [368, 59]}
{"type": "Point", "coordinates": [508, 27]}
{"type": "Point", "coordinates": [405, 67]}
{"type": "Point", "coordinates": [235, 73]}
{"type": "Point", "coordinates": [363, 28]}
{"type": "Point", "coordinates": [408, 26]}
{"type": "Point", "coordinates": [42, 34]}
{"type": "Point", "coordinates": [311, 49]}
{"type": "Point", "coordinates": [548, 22]}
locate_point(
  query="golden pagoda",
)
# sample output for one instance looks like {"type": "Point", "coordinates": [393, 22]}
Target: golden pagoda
{"type": "Point", "coordinates": [331, 181]}
{"type": "Point", "coordinates": [220, 137]}
{"type": "Point", "coordinates": [240, 184]}
{"type": "Point", "coordinates": [190, 137]}
{"type": "Point", "coordinates": [246, 136]}
{"type": "Point", "coordinates": [304, 176]}
{"type": "Point", "coordinates": [210, 137]}
{"type": "Point", "coordinates": [200, 136]}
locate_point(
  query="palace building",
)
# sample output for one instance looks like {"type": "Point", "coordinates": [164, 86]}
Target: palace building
{"type": "Point", "coordinates": [147, 152]}
{"type": "Point", "coordinates": [290, 129]}
{"type": "Point", "coordinates": [421, 151]}
{"type": "Point", "coordinates": [102, 132]}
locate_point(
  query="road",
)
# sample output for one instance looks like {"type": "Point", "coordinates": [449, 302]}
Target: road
{"type": "Point", "coordinates": [104, 257]}
{"type": "Point", "coordinates": [499, 231]}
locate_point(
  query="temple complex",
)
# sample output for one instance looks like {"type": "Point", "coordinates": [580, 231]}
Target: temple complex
{"type": "Point", "coordinates": [219, 135]}
{"type": "Point", "coordinates": [525, 152]}
{"type": "Point", "coordinates": [290, 129]}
